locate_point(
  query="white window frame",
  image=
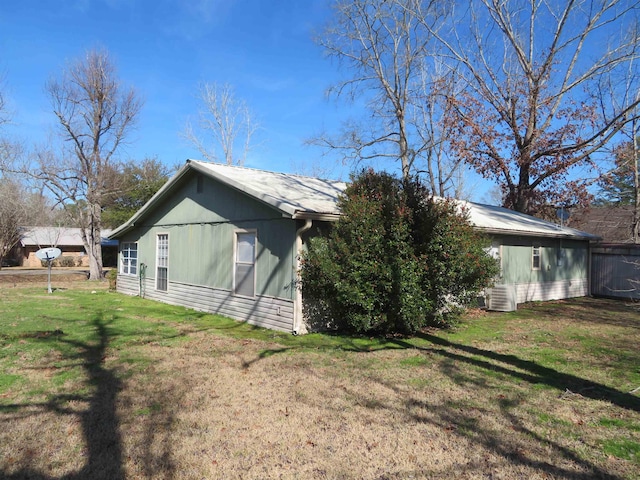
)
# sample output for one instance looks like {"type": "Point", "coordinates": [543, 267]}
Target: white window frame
{"type": "Point", "coordinates": [126, 266]}
{"type": "Point", "coordinates": [236, 262]}
{"type": "Point", "coordinates": [164, 260]}
{"type": "Point", "coordinates": [536, 252]}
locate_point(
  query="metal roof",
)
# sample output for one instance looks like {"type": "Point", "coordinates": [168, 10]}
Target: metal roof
{"type": "Point", "coordinates": [295, 195]}
{"type": "Point", "coordinates": [498, 220]}
{"type": "Point", "coordinates": [54, 236]}
{"type": "Point", "coordinates": [308, 197]}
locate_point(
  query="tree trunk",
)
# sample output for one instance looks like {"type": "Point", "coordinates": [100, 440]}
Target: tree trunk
{"type": "Point", "coordinates": [91, 236]}
{"type": "Point", "coordinates": [403, 146]}
{"type": "Point", "coordinates": [521, 202]}
{"type": "Point", "coordinates": [635, 227]}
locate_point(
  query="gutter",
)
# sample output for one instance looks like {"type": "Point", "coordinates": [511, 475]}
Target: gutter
{"type": "Point", "coordinates": [528, 233]}
{"type": "Point", "coordinates": [298, 320]}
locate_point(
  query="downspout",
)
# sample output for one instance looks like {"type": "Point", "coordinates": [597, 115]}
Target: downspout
{"type": "Point", "coordinates": [298, 320]}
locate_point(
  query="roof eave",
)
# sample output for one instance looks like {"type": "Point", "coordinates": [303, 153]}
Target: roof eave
{"type": "Point", "coordinates": [528, 233]}
{"type": "Point", "coordinates": [323, 217]}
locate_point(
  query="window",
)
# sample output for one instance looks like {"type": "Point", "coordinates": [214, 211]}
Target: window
{"type": "Point", "coordinates": [536, 261]}
{"type": "Point", "coordinates": [244, 269]}
{"type": "Point", "coordinates": [129, 265]}
{"type": "Point", "coordinates": [162, 261]}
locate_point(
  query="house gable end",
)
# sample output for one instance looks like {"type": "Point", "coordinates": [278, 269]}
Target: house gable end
{"type": "Point", "coordinates": [199, 199]}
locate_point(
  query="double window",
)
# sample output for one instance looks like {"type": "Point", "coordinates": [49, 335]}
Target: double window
{"type": "Point", "coordinates": [162, 261]}
{"type": "Point", "coordinates": [244, 273]}
{"type": "Point", "coordinates": [129, 259]}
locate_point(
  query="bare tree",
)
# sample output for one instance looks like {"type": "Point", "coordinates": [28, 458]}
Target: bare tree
{"type": "Point", "coordinates": [8, 149]}
{"type": "Point", "coordinates": [531, 108]}
{"type": "Point", "coordinates": [11, 216]}
{"type": "Point", "coordinates": [225, 125]}
{"type": "Point", "coordinates": [635, 169]}
{"type": "Point", "coordinates": [391, 60]}
{"type": "Point", "coordinates": [624, 179]}
{"type": "Point", "coordinates": [94, 114]}
{"type": "Point", "coordinates": [445, 173]}
{"type": "Point", "coordinates": [11, 211]}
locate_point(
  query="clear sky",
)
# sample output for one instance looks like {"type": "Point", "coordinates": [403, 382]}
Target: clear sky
{"type": "Point", "coordinates": [165, 49]}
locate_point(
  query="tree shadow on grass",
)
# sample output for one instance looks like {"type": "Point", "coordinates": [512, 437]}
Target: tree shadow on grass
{"type": "Point", "coordinates": [465, 424]}
{"type": "Point", "coordinates": [595, 310]}
{"type": "Point", "coordinates": [530, 372]}
{"type": "Point", "coordinates": [462, 421]}
{"type": "Point", "coordinates": [526, 370]}
{"type": "Point", "coordinates": [99, 421]}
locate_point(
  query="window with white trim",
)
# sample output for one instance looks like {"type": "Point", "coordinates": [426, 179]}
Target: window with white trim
{"type": "Point", "coordinates": [162, 261]}
{"type": "Point", "coordinates": [244, 274]}
{"type": "Point", "coordinates": [536, 259]}
{"type": "Point", "coordinates": [129, 258]}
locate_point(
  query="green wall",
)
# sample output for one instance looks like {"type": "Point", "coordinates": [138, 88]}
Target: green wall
{"type": "Point", "coordinates": [201, 228]}
{"type": "Point", "coordinates": [516, 258]}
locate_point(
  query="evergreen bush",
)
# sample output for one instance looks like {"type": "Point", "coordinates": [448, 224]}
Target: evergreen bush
{"type": "Point", "coordinates": [397, 260]}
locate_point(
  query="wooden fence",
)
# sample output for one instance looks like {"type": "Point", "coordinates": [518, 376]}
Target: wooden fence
{"type": "Point", "coordinates": [615, 271]}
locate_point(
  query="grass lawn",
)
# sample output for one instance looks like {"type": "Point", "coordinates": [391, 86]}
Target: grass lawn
{"type": "Point", "coordinates": [97, 385]}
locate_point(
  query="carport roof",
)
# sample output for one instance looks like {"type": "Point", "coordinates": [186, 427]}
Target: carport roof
{"type": "Point", "coordinates": [58, 236]}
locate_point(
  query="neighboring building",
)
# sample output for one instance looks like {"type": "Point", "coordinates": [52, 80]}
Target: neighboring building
{"type": "Point", "coordinates": [612, 222]}
{"type": "Point", "coordinates": [69, 240]}
{"type": "Point", "coordinates": [226, 240]}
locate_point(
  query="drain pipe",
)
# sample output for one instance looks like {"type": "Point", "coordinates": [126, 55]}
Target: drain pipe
{"type": "Point", "coordinates": [298, 321]}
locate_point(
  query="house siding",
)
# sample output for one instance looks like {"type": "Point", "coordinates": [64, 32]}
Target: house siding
{"type": "Point", "coordinates": [552, 280]}
{"type": "Point", "coordinates": [201, 228]}
{"type": "Point", "coordinates": [127, 284]}
{"type": "Point", "coordinates": [531, 292]}
{"type": "Point", "coordinates": [262, 311]}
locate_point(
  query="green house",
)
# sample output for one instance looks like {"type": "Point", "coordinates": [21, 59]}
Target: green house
{"type": "Point", "coordinates": [539, 260]}
{"type": "Point", "coordinates": [226, 240]}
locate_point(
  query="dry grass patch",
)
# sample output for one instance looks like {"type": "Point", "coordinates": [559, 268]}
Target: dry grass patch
{"type": "Point", "coordinates": [539, 394]}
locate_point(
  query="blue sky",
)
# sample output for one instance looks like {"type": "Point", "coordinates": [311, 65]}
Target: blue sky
{"type": "Point", "coordinates": [165, 49]}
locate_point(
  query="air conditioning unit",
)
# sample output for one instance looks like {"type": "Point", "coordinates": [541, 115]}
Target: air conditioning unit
{"type": "Point", "coordinates": [502, 298]}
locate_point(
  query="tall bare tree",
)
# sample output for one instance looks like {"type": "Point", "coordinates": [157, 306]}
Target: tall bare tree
{"type": "Point", "coordinates": [11, 216]}
{"type": "Point", "coordinates": [623, 181]}
{"type": "Point", "coordinates": [11, 211]}
{"type": "Point", "coordinates": [95, 114]}
{"type": "Point", "coordinates": [532, 108]}
{"type": "Point", "coordinates": [389, 54]}
{"type": "Point", "coordinates": [225, 125]}
{"type": "Point", "coordinates": [8, 149]}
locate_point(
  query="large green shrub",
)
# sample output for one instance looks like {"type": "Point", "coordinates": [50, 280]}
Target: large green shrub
{"type": "Point", "coordinates": [396, 261]}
